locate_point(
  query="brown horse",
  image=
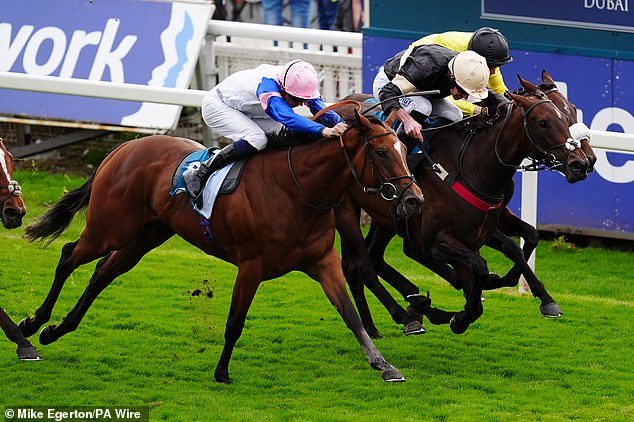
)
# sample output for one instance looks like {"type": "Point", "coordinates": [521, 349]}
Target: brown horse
{"type": "Point", "coordinates": [512, 225]}
{"type": "Point", "coordinates": [509, 225]}
{"type": "Point", "coordinates": [279, 219]}
{"type": "Point", "coordinates": [12, 211]}
{"type": "Point", "coordinates": [451, 230]}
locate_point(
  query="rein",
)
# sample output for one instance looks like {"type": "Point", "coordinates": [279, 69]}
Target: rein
{"type": "Point", "coordinates": [387, 189]}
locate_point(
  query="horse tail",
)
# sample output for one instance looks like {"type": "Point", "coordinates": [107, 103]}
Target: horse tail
{"type": "Point", "coordinates": [56, 220]}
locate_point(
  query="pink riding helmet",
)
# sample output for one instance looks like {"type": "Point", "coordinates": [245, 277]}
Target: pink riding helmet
{"type": "Point", "coordinates": [300, 79]}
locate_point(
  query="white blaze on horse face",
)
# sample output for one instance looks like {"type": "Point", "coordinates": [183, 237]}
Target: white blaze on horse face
{"type": "Point", "coordinates": [401, 151]}
{"type": "Point", "coordinates": [3, 162]}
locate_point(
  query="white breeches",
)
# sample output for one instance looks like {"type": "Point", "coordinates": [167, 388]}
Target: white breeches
{"type": "Point", "coordinates": [235, 124]}
{"type": "Point", "coordinates": [441, 107]}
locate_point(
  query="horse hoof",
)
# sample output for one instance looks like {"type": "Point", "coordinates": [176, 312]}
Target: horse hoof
{"type": "Point", "coordinates": [551, 310]}
{"type": "Point", "coordinates": [28, 354]}
{"type": "Point", "coordinates": [223, 378]}
{"type": "Point", "coordinates": [392, 375]}
{"type": "Point", "coordinates": [414, 327]}
{"type": "Point", "coordinates": [455, 327]}
{"type": "Point", "coordinates": [374, 334]}
{"type": "Point", "coordinates": [46, 335]}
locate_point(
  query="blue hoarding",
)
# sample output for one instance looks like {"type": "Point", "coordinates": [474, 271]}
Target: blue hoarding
{"type": "Point", "coordinates": [125, 41]}
{"type": "Point", "coordinates": [596, 14]}
{"type": "Point", "coordinates": [602, 90]}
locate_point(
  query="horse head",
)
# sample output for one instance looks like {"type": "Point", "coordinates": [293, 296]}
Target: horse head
{"type": "Point", "coordinates": [378, 146]}
{"type": "Point", "coordinates": [547, 134]}
{"type": "Point", "coordinates": [12, 208]}
{"type": "Point", "coordinates": [578, 129]}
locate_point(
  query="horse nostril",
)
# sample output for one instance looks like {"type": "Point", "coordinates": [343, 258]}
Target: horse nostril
{"type": "Point", "coordinates": [414, 203]}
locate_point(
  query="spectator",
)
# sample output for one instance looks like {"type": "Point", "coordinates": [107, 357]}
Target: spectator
{"type": "Point", "coordinates": [349, 16]}
{"type": "Point", "coordinates": [326, 12]}
{"type": "Point", "coordinates": [273, 12]}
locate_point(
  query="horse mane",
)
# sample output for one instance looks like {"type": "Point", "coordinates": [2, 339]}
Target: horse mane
{"type": "Point", "coordinates": [285, 137]}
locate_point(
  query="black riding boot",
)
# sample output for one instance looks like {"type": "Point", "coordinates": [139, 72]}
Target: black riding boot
{"type": "Point", "coordinates": [195, 179]}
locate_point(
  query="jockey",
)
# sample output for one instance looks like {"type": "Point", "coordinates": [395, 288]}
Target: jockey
{"type": "Point", "coordinates": [487, 42]}
{"type": "Point", "coordinates": [429, 67]}
{"type": "Point", "coordinates": [251, 102]}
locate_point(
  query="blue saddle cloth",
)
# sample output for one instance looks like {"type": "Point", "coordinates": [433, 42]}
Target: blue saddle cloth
{"type": "Point", "coordinates": [210, 191]}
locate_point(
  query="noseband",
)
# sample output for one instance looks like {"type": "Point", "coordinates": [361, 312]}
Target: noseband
{"type": "Point", "coordinates": [387, 189]}
{"type": "Point", "coordinates": [13, 189]}
{"type": "Point", "coordinates": [549, 161]}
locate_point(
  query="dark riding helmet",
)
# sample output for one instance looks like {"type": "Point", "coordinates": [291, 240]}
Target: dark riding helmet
{"type": "Point", "coordinates": [492, 45]}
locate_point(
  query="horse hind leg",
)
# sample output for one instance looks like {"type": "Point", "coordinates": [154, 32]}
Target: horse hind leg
{"type": "Point", "coordinates": [25, 351]}
{"type": "Point", "coordinates": [71, 258]}
{"type": "Point", "coordinates": [108, 268]}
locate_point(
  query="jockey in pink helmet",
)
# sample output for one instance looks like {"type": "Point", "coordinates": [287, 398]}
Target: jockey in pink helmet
{"type": "Point", "coordinates": [248, 104]}
{"type": "Point", "coordinates": [299, 79]}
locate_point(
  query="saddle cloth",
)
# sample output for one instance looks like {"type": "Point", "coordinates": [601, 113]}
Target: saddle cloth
{"type": "Point", "coordinates": [212, 187]}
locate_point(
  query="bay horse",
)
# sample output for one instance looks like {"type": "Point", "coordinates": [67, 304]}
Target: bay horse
{"type": "Point", "coordinates": [12, 211]}
{"type": "Point", "coordinates": [450, 229]}
{"type": "Point", "coordinates": [509, 225]}
{"type": "Point", "coordinates": [279, 219]}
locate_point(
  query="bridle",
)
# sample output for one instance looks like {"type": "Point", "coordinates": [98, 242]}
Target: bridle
{"type": "Point", "coordinates": [13, 188]}
{"type": "Point", "coordinates": [386, 189]}
{"type": "Point", "coordinates": [549, 161]}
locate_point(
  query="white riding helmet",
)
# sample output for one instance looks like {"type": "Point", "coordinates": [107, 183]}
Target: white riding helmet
{"type": "Point", "coordinates": [471, 73]}
{"type": "Point", "coordinates": [300, 79]}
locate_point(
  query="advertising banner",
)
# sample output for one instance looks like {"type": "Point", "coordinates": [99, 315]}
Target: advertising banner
{"type": "Point", "coordinates": [601, 89]}
{"type": "Point", "coordinates": [611, 15]}
{"type": "Point", "coordinates": [151, 43]}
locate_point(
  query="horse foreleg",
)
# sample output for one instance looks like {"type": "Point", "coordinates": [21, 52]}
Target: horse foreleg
{"type": "Point", "coordinates": [359, 272]}
{"type": "Point", "coordinates": [108, 268]}
{"type": "Point", "coordinates": [471, 269]}
{"type": "Point", "coordinates": [329, 274]}
{"type": "Point", "coordinates": [548, 306]}
{"type": "Point", "coordinates": [247, 281]}
{"type": "Point", "coordinates": [25, 351]}
{"type": "Point", "coordinates": [377, 241]}
{"type": "Point", "coordinates": [353, 252]}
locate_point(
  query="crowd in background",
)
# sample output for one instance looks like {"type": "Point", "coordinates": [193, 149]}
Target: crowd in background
{"type": "Point", "coordinates": [340, 15]}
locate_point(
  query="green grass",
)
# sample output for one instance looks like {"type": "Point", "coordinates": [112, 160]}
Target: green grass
{"type": "Point", "coordinates": [147, 341]}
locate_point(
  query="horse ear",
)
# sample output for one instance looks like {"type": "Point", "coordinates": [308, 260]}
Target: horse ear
{"type": "Point", "coordinates": [546, 78]}
{"type": "Point", "coordinates": [362, 122]}
{"type": "Point", "coordinates": [529, 87]}
{"type": "Point", "coordinates": [520, 100]}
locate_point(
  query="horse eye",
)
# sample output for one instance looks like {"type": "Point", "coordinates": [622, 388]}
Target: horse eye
{"type": "Point", "coordinates": [543, 124]}
{"type": "Point", "coordinates": [381, 152]}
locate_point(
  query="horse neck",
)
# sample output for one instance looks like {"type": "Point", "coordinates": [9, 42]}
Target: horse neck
{"type": "Point", "coordinates": [487, 162]}
{"type": "Point", "coordinates": [322, 172]}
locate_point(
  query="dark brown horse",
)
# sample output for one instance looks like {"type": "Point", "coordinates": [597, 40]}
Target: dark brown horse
{"type": "Point", "coordinates": [451, 231]}
{"type": "Point", "coordinates": [509, 225]}
{"type": "Point", "coordinates": [12, 211]}
{"type": "Point", "coordinates": [279, 219]}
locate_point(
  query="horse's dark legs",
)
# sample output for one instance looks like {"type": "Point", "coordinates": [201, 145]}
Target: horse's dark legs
{"type": "Point", "coordinates": [353, 263]}
{"type": "Point", "coordinates": [68, 262]}
{"type": "Point", "coordinates": [328, 273]}
{"type": "Point", "coordinates": [108, 268]}
{"type": "Point", "coordinates": [471, 269]}
{"type": "Point", "coordinates": [359, 272]}
{"type": "Point", "coordinates": [511, 250]}
{"type": "Point", "coordinates": [25, 351]}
